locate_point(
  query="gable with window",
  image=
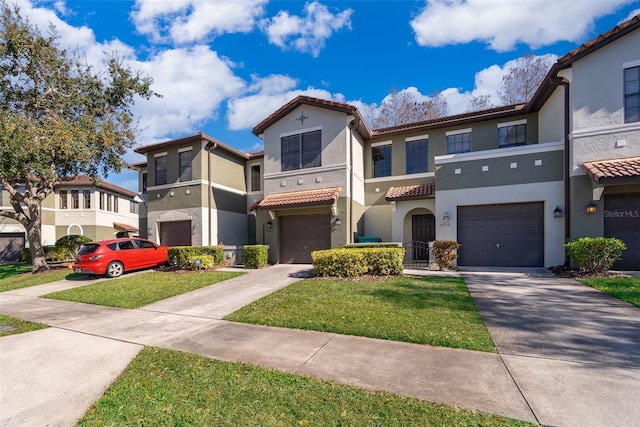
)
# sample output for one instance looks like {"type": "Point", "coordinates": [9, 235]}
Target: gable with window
{"type": "Point", "coordinates": [417, 154]}
{"type": "Point", "coordinates": [458, 141]}
{"type": "Point", "coordinates": [301, 151]}
{"type": "Point", "coordinates": [632, 94]}
{"type": "Point", "coordinates": [512, 134]}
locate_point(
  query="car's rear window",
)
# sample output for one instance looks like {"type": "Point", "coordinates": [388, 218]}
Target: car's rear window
{"type": "Point", "coordinates": [88, 248]}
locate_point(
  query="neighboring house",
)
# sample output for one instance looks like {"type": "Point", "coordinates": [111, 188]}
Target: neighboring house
{"type": "Point", "coordinates": [78, 206]}
{"type": "Point", "coordinates": [511, 184]}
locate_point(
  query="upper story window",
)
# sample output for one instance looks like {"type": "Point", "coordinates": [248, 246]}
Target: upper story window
{"type": "Point", "coordinates": [381, 160]}
{"type": "Point", "coordinates": [184, 164]}
{"type": "Point", "coordinates": [632, 94]}
{"type": "Point", "coordinates": [161, 168]}
{"type": "Point", "coordinates": [301, 151]}
{"type": "Point", "coordinates": [144, 182]}
{"type": "Point", "coordinates": [115, 203]}
{"type": "Point", "coordinates": [417, 155]}
{"type": "Point", "coordinates": [459, 141]}
{"type": "Point", "coordinates": [75, 199]}
{"type": "Point", "coordinates": [133, 207]}
{"type": "Point", "coordinates": [86, 199]}
{"type": "Point", "coordinates": [512, 134]}
{"type": "Point", "coordinates": [63, 199]}
{"type": "Point", "coordinates": [256, 178]}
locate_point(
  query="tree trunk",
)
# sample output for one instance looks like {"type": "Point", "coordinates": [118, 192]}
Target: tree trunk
{"type": "Point", "coordinates": [34, 235]}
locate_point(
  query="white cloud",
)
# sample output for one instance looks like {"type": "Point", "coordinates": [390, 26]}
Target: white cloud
{"type": "Point", "coordinates": [194, 82]}
{"type": "Point", "coordinates": [503, 24]}
{"type": "Point", "coordinates": [306, 33]}
{"type": "Point", "coordinates": [631, 15]}
{"type": "Point", "coordinates": [266, 95]}
{"type": "Point", "coordinates": [185, 21]}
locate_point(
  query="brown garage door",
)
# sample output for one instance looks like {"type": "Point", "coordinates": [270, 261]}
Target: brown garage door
{"type": "Point", "coordinates": [175, 233]}
{"type": "Point", "coordinates": [300, 235]}
{"type": "Point", "coordinates": [504, 235]}
{"type": "Point", "coordinates": [11, 245]}
{"type": "Point", "coordinates": [622, 220]}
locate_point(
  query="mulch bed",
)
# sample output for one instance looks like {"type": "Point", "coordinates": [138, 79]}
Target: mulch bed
{"type": "Point", "coordinates": [574, 273]}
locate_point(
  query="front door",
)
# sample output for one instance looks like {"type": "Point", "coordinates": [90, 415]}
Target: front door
{"type": "Point", "coordinates": [422, 232]}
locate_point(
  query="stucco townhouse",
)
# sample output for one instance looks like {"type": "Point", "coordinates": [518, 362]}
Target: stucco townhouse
{"type": "Point", "coordinates": [511, 184]}
{"type": "Point", "coordinates": [98, 210]}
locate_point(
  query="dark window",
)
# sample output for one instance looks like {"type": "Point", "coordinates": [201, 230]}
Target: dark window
{"type": "Point", "coordinates": [109, 202]}
{"type": "Point", "coordinates": [63, 199]}
{"type": "Point", "coordinates": [301, 151]}
{"type": "Point", "coordinates": [127, 244]}
{"type": "Point", "coordinates": [381, 156]}
{"type": "Point", "coordinates": [417, 156]}
{"type": "Point", "coordinates": [115, 203]}
{"type": "Point", "coordinates": [75, 199]}
{"type": "Point", "coordinates": [143, 244]}
{"type": "Point", "coordinates": [144, 182]}
{"type": "Point", "coordinates": [88, 248]}
{"type": "Point", "coordinates": [161, 170]}
{"type": "Point", "coordinates": [255, 178]}
{"type": "Point", "coordinates": [102, 200]}
{"type": "Point", "coordinates": [509, 136]}
{"type": "Point", "coordinates": [133, 207]}
{"type": "Point", "coordinates": [86, 199]}
{"type": "Point", "coordinates": [184, 160]}
{"type": "Point", "coordinates": [632, 94]}
{"type": "Point", "coordinates": [459, 143]}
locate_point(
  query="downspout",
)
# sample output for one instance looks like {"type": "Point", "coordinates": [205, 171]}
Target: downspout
{"type": "Point", "coordinates": [210, 147]}
{"type": "Point", "coordinates": [567, 164]}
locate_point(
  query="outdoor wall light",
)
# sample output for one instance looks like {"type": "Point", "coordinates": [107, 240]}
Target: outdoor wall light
{"type": "Point", "coordinates": [446, 217]}
{"type": "Point", "coordinates": [591, 208]}
{"type": "Point", "coordinates": [269, 225]}
{"type": "Point", "coordinates": [338, 221]}
{"type": "Point", "coordinates": [557, 212]}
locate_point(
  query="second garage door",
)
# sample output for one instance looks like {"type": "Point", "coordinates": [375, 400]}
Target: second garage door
{"type": "Point", "coordinates": [300, 235]}
{"type": "Point", "coordinates": [503, 235]}
{"type": "Point", "coordinates": [175, 233]}
{"type": "Point", "coordinates": [11, 245]}
{"type": "Point", "coordinates": [622, 220]}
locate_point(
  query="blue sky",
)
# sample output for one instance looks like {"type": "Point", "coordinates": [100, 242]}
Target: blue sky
{"type": "Point", "coordinates": [224, 65]}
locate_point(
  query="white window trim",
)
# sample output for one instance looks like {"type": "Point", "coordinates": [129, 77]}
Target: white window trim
{"type": "Point", "coordinates": [159, 154]}
{"type": "Point", "coordinates": [183, 149]}
{"type": "Point", "coordinates": [298, 132]}
{"type": "Point", "coordinates": [377, 144]}
{"type": "Point", "coordinates": [416, 138]}
{"type": "Point", "coordinates": [631, 64]}
{"type": "Point", "coordinates": [458, 132]}
{"type": "Point", "coordinates": [513, 123]}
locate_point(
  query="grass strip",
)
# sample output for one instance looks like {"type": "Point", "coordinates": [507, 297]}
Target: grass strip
{"type": "Point", "coordinates": [624, 288]}
{"type": "Point", "coordinates": [169, 388]}
{"type": "Point", "coordinates": [430, 310]}
{"type": "Point", "coordinates": [137, 290]}
{"type": "Point", "coordinates": [26, 279]}
{"type": "Point", "coordinates": [11, 326]}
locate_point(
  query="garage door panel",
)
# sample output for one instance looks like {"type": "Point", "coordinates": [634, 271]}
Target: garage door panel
{"type": "Point", "coordinates": [302, 234]}
{"type": "Point", "coordinates": [504, 235]}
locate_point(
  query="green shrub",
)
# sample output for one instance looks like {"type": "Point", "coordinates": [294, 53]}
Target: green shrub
{"type": "Point", "coordinates": [206, 262]}
{"type": "Point", "coordinates": [354, 262]}
{"type": "Point", "coordinates": [444, 252]}
{"type": "Point", "coordinates": [26, 255]}
{"type": "Point", "coordinates": [56, 253]}
{"type": "Point", "coordinates": [370, 245]}
{"type": "Point", "coordinates": [71, 244]}
{"type": "Point", "coordinates": [180, 255]}
{"type": "Point", "coordinates": [254, 256]}
{"type": "Point", "coordinates": [595, 254]}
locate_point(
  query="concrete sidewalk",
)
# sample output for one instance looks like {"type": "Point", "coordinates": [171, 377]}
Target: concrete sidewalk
{"type": "Point", "coordinates": [85, 336]}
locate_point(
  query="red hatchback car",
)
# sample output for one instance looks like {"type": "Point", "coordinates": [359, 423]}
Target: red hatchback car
{"type": "Point", "coordinates": [114, 257]}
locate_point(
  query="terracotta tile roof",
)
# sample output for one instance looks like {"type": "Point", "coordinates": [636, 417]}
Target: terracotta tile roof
{"type": "Point", "coordinates": [617, 171]}
{"type": "Point", "coordinates": [324, 196]}
{"type": "Point", "coordinates": [305, 100]}
{"type": "Point", "coordinates": [411, 192]}
{"type": "Point", "coordinates": [124, 227]}
{"type": "Point", "coordinates": [86, 181]}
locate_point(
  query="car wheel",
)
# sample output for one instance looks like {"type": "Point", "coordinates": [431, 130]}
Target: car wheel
{"type": "Point", "coordinates": [114, 269]}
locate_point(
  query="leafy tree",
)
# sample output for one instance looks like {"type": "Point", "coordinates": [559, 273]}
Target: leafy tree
{"type": "Point", "coordinates": [524, 78]}
{"type": "Point", "coordinates": [58, 119]}
{"type": "Point", "coordinates": [403, 107]}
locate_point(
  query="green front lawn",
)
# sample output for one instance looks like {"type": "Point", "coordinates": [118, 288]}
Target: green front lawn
{"type": "Point", "coordinates": [624, 288]}
{"type": "Point", "coordinates": [17, 276]}
{"type": "Point", "coordinates": [169, 388]}
{"type": "Point", "coordinates": [137, 290]}
{"type": "Point", "coordinates": [431, 310]}
{"type": "Point", "coordinates": [11, 326]}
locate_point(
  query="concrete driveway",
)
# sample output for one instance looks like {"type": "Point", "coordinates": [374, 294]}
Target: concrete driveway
{"type": "Point", "coordinates": [573, 351]}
